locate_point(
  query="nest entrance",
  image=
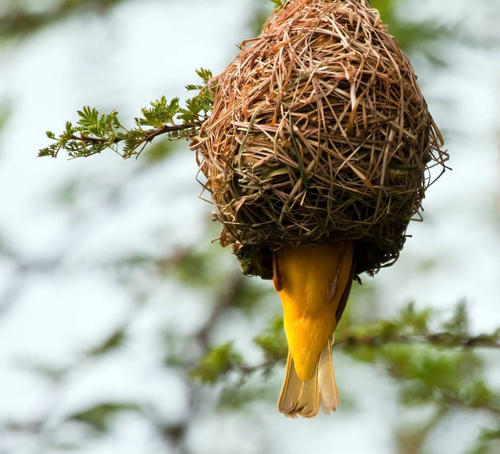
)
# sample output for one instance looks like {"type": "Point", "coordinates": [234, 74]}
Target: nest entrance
{"type": "Point", "coordinates": [319, 133]}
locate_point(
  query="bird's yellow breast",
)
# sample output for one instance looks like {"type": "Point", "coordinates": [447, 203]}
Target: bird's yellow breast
{"type": "Point", "coordinates": [312, 282]}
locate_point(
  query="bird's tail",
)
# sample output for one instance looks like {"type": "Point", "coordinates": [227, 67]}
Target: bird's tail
{"type": "Point", "coordinates": [303, 398]}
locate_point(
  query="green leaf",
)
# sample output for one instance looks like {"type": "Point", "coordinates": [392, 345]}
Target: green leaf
{"type": "Point", "coordinates": [236, 397]}
{"type": "Point", "coordinates": [89, 117]}
{"type": "Point", "coordinates": [205, 74]}
{"type": "Point", "coordinates": [159, 151]}
{"type": "Point", "coordinates": [160, 113]}
{"type": "Point", "coordinates": [216, 362]}
{"type": "Point", "coordinates": [415, 321]}
{"type": "Point", "coordinates": [114, 341]}
{"type": "Point", "coordinates": [458, 325]}
{"type": "Point", "coordinates": [99, 416]}
{"type": "Point", "coordinates": [273, 340]}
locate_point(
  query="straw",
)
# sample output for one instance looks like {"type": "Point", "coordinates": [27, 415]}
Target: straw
{"type": "Point", "coordinates": [319, 133]}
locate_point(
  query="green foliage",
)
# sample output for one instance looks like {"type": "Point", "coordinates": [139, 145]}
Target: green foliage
{"type": "Point", "coordinates": [4, 114]}
{"type": "Point", "coordinates": [160, 113]}
{"type": "Point", "coordinates": [262, 9]}
{"type": "Point", "coordinates": [458, 325]}
{"type": "Point", "coordinates": [432, 375]}
{"type": "Point", "coordinates": [249, 295]}
{"type": "Point", "coordinates": [178, 351]}
{"type": "Point", "coordinates": [193, 269]}
{"type": "Point", "coordinates": [433, 367]}
{"type": "Point", "coordinates": [272, 340]}
{"type": "Point", "coordinates": [198, 266]}
{"type": "Point", "coordinates": [414, 36]}
{"type": "Point", "coordinates": [412, 327]}
{"type": "Point", "coordinates": [410, 438]}
{"type": "Point", "coordinates": [49, 372]}
{"type": "Point", "coordinates": [95, 132]}
{"type": "Point", "coordinates": [440, 369]}
{"type": "Point", "coordinates": [213, 270]}
{"type": "Point", "coordinates": [216, 362]}
{"type": "Point", "coordinates": [99, 416]}
{"type": "Point", "coordinates": [112, 342]}
{"type": "Point", "coordinates": [415, 321]}
{"type": "Point", "coordinates": [18, 20]}
{"type": "Point", "coordinates": [488, 443]}
{"type": "Point", "coordinates": [233, 397]}
{"type": "Point", "coordinates": [409, 323]}
{"type": "Point", "coordinates": [160, 150]}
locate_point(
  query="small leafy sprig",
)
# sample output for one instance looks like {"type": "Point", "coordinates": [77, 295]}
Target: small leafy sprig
{"type": "Point", "coordinates": [95, 132]}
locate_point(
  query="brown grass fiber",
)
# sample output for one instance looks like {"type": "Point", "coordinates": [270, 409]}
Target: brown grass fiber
{"type": "Point", "coordinates": [318, 133]}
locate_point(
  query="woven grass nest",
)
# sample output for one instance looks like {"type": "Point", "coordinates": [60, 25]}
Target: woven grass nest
{"type": "Point", "coordinates": [318, 133]}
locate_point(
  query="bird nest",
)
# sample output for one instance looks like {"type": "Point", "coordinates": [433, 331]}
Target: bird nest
{"type": "Point", "coordinates": [318, 133]}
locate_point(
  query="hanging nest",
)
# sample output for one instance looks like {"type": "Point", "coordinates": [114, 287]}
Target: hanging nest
{"type": "Point", "coordinates": [318, 133]}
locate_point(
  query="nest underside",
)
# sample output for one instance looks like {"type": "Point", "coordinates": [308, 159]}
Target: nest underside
{"type": "Point", "coordinates": [319, 133]}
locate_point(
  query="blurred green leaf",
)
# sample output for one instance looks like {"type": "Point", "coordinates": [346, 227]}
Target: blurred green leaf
{"type": "Point", "coordinates": [431, 375]}
{"type": "Point", "coordinates": [52, 373]}
{"type": "Point", "coordinates": [491, 434]}
{"type": "Point", "coordinates": [5, 111]}
{"type": "Point", "coordinates": [160, 150]}
{"type": "Point", "coordinates": [234, 397]}
{"type": "Point", "coordinates": [414, 36]}
{"type": "Point", "coordinates": [114, 341]}
{"type": "Point", "coordinates": [216, 363]}
{"type": "Point", "coordinates": [18, 20]}
{"type": "Point", "coordinates": [458, 325]}
{"type": "Point", "coordinates": [416, 322]}
{"type": "Point", "coordinates": [250, 294]}
{"type": "Point", "coordinates": [273, 340]}
{"type": "Point", "coordinates": [99, 416]}
{"type": "Point", "coordinates": [194, 267]}
{"type": "Point", "coordinates": [411, 438]}
{"type": "Point", "coordinates": [488, 442]}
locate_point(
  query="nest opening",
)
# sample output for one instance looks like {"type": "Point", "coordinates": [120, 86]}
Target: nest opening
{"type": "Point", "coordinates": [318, 133]}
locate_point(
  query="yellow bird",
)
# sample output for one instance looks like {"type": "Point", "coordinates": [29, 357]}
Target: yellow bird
{"type": "Point", "coordinates": [314, 283]}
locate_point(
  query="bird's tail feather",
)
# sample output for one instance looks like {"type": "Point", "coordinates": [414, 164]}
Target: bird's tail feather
{"type": "Point", "coordinates": [297, 397]}
{"type": "Point", "coordinates": [329, 393]}
{"type": "Point", "coordinates": [303, 398]}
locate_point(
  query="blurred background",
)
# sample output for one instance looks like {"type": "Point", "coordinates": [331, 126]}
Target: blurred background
{"type": "Point", "coordinates": [123, 328]}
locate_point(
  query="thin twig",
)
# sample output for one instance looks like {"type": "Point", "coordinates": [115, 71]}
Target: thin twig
{"type": "Point", "coordinates": [149, 135]}
{"type": "Point", "coordinates": [440, 339]}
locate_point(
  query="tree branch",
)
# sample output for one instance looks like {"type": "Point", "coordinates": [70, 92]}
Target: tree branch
{"type": "Point", "coordinates": [149, 135]}
{"type": "Point", "coordinates": [95, 132]}
{"type": "Point", "coordinates": [439, 339]}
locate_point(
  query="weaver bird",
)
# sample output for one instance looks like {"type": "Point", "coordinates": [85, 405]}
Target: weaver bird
{"type": "Point", "coordinates": [314, 283]}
